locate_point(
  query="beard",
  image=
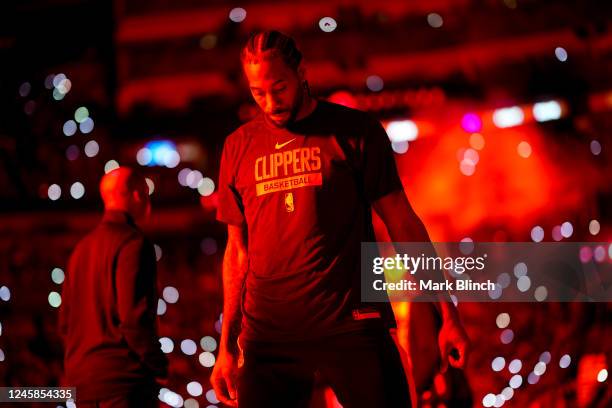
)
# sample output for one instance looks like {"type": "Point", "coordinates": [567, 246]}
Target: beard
{"type": "Point", "coordinates": [289, 115]}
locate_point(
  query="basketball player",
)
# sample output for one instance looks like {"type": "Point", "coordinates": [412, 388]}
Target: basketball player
{"type": "Point", "coordinates": [296, 188]}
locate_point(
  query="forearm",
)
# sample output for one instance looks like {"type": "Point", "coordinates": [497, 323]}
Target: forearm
{"type": "Point", "coordinates": [234, 274]}
{"type": "Point", "coordinates": [408, 227]}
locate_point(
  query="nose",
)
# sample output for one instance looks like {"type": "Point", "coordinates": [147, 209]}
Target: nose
{"type": "Point", "coordinates": [271, 103]}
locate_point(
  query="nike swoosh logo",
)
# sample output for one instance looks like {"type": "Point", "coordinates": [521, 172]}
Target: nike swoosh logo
{"type": "Point", "coordinates": [280, 146]}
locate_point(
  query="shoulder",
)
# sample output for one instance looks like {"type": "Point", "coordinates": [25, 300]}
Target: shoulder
{"type": "Point", "coordinates": [240, 136]}
{"type": "Point", "coordinates": [118, 235]}
{"type": "Point", "coordinates": [350, 115]}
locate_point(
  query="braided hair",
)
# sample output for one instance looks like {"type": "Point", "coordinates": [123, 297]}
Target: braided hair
{"type": "Point", "coordinates": [264, 45]}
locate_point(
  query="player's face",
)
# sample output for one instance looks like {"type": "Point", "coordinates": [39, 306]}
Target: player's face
{"type": "Point", "coordinates": [276, 88]}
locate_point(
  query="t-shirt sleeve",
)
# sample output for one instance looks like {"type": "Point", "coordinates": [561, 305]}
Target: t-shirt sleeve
{"type": "Point", "coordinates": [380, 175]}
{"type": "Point", "coordinates": [230, 209]}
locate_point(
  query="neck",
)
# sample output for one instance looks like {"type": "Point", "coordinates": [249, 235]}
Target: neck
{"type": "Point", "coordinates": [308, 106]}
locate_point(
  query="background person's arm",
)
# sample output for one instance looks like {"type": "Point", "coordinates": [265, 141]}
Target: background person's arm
{"type": "Point", "coordinates": [136, 286]}
{"type": "Point", "coordinates": [223, 377]}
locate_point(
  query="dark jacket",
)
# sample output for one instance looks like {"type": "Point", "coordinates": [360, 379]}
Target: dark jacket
{"type": "Point", "coordinates": [108, 312]}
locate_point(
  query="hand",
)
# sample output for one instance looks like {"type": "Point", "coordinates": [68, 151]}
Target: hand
{"type": "Point", "coordinates": [454, 345]}
{"type": "Point", "coordinates": [223, 378]}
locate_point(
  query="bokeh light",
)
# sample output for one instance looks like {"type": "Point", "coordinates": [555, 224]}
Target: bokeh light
{"type": "Point", "coordinates": [77, 190]}
{"type": "Point", "coordinates": [86, 126]}
{"type": "Point", "coordinates": [57, 276]}
{"type": "Point", "coordinates": [533, 378]}
{"type": "Point", "coordinates": [435, 20]}
{"type": "Point", "coordinates": [540, 294]}
{"type": "Point", "coordinates": [537, 234]}
{"type": "Point", "coordinates": [237, 15]}
{"type": "Point", "coordinates": [567, 229]}
{"type": "Point", "coordinates": [81, 114]}
{"type": "Point", "coordinates": [400, 147]}
{"type": "Point", "coordinates": [57, 79]}
{"type": "Point", "coordinates": [110, 166]}
{"type": "Point", "coordinates": [561, 54]}
{"type": "Point", "coordinates": [545, 111]}
{"type": "Point", "coordinates": [545, 357]}
{"type": "Point", "coordinates": [471, 123]}
{"type": "Point", "coordinates": [602, 375]}
{"type": "Point", "coordinates": [182, 176]}
{"type": "Point", "coordinates": [194, 389]}
{"type": "Point", "coordinates": [212, 397]}
{"type": "Point", "coordinates": [520, 269]}
{"type": "Point", "coordinates": [55, 300]}
{"type": "Point", "coordinates": [503, 320]}
{"type": "Point", "coordinates": [91, 148]}
{"type": "Point", "coordinates": [24, 89]}
{"type": "Point", "coordinates": [206, 186]}
{"type": "Point", "coordinates": [188, 347]}
{"type": "Point", "coordinates": [191, 403]}
{"type": "Point", "coordinates": [524, 149]}
{"type": "Point", "coordinates": [208, 343]}
{"type": "Point", "coordinates": [402, 131]}
{"type": "Point", "coordinates": [5, 293]}
{"type": "Point", "coordinates": [54, 192]}
{"type": "Point", "coordinates": [170, 294]}
{"type": "Point", "coordinates": [69, 128]}
{"type": "Point", "coordinates": [515, 366]}
{"type": "Point", "coordinates": [73, 152]}
{"type": "Point", "coordinates": [498, 364]}
{"type": "Point", "coordinates": [595, 147]}
{"type": "Point", "coordinates": [167, 345]}
{"type": "Point", "coordinates": [208, 41]}
{"type": "Point", "coordinates": [508, 117]}
{"type": "Point", "coordinates": [477, 141]}
{"type": "Point", "coordinates": [193, 178]}
{"type": "Point", "coordinates": [144, 157]}
{"type": "Point", "coordinates": [150, 185]}
{"type": "Point", "coordinates": [375, 83]}
{"type": "Point", "coordinates": [516, 381]}
{"type": "Point", "coordinates": [556, 233]}
{"type": "Point", "coordinates": [506, 336]}
{"type": "Point", "coordinates": [594, 227]}
{"type": "Point", "coordinates": [327, 24]}
{"type": "Point", "coordinates": [209, 246]}
{"type": "Point", "coordinates": [207, 359]}
{"type": "Point", "coordinates": [565, 361]}
{"type": "Point", "coordinates": [161, 307]}
{"type": "Point", "coordinates": [523, 283]}
{"type": "Point", "coordinates": [540, 368]}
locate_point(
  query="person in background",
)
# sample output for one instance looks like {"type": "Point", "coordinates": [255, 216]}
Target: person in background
{"type": "Point", "coordinates": [108, 316]}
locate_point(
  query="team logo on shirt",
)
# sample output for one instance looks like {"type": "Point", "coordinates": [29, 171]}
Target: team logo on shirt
{"type": "Point", "coordinates": [281, 145]}
{"type": "Point", "coordinates": [289, 202]}
{"type": "Point", "coordinates": [288, 170]}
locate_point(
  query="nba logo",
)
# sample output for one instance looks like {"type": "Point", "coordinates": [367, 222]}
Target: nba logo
{"type": "Point", "coordinates": [289, 202]}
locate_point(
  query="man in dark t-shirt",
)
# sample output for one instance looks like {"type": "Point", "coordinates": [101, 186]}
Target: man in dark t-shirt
{"type": "Point", "coordinates": [296, 188]}
{"type": "Point", "coordinates": [108, 322]}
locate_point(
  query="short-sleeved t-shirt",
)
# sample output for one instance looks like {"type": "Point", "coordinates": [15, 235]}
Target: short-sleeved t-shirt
{"type": "Point", "coordinates": [304, 194]}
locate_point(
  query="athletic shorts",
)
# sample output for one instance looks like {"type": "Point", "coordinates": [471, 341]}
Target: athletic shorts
{"type": "Point", "coordinates": [364, 369]}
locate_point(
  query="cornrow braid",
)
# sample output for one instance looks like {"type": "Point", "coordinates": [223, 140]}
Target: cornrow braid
{"type": "Point", "coordinates": [264, 45]}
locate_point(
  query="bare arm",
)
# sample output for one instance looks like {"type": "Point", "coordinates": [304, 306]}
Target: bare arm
{"type": "Point", "coordinates": [234, 274]}
{"type": "Point", "coordinates": [224, 373]}
{"type": "Point", "coordinates": [404, 225]}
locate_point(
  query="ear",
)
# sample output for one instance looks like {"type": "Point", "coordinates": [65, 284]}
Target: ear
{"type": "Point", "coordinates": [301, 71]}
